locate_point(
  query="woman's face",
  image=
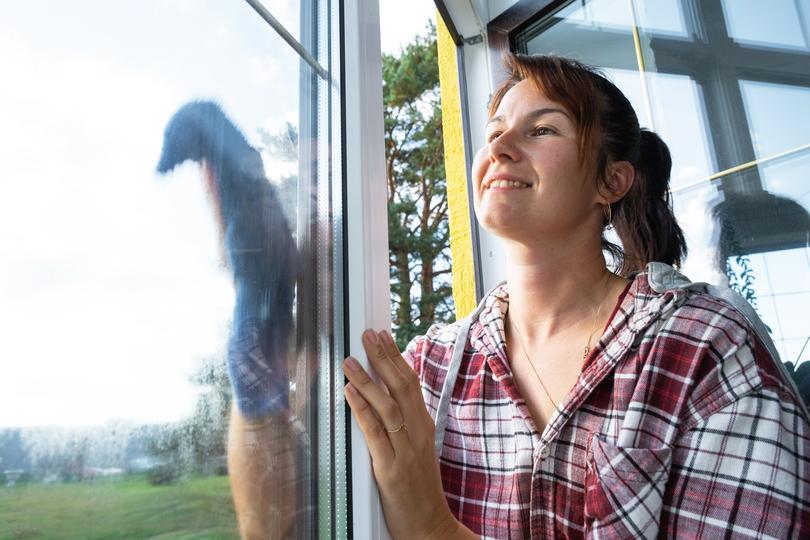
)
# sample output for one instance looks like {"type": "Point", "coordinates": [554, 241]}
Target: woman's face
{"type": "Point", "coordinates": [528, 180]}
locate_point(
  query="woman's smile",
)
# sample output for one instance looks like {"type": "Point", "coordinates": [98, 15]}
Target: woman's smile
{"type": "Point", "coordinates": [500, 185]}
{"type": "Point", "coordinates": [504, 182]}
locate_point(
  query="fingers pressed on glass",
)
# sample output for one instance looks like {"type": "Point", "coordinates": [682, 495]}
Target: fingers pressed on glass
{"type": "Point", "coordinates": [378, 354]}
{"type": "Point", "coordinates": [395, 355]}
{"type": "Point", "coordinates": [364, 384]}
{"type": "Point", "coordinates": [410, 399]}
{"type": "Point", "coordinates": [373, 430]}
{"type": "Point", "coordinates": [385, 406]}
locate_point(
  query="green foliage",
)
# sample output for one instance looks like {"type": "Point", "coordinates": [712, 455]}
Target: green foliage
{"type": "Point", "coordinates": [418, 233]}
{"type": "Point", "coordinates": [740, 275]}
{"type": "Point", "coordinates": [195, 445]}
{"type": "Point", "coordinates": [163, 475]}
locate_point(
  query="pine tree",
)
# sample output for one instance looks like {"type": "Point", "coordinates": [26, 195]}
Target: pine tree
{"type": "Point", "coordinates": [418, 232]}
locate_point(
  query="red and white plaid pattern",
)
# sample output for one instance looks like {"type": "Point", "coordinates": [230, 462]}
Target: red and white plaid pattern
{"type": "Point", "coordinates": [681, 425]}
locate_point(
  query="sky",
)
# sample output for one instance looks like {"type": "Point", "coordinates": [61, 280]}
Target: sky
{"type": "Point", "coordinates": [113, 287]}
{"type": "Point", "coordinates": [401, 20]}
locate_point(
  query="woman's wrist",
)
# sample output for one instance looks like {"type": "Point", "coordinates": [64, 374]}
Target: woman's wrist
{"type": "Point", "coordinates": [451, 529]}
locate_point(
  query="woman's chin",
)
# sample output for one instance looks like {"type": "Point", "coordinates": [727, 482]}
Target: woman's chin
{"type": "Point", "coordinates": [506, 226]}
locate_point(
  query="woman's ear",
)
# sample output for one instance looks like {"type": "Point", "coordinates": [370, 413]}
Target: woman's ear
{"type": "Point", "coordinates": [619, 178]}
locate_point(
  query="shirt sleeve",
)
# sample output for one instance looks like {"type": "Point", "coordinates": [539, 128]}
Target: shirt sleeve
{"type": "Point", "coordinates": [742, 472]}
{"type": "Point", "coordinates": [413, 353]}
{"type": "Point", "coordinates": [432, 344]}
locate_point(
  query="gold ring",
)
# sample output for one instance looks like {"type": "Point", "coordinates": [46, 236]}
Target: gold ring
{"type": "Point", "coordinates": [400, 428]}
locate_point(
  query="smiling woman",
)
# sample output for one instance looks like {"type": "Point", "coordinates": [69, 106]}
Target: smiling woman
{"type": "Point", "coordinates": [540, 425]}
{"type": "Point", "coordinates": [534, 145]}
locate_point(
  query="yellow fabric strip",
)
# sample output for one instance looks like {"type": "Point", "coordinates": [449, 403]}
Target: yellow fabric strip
{"type": "Point", "coordinates": [455, 169]}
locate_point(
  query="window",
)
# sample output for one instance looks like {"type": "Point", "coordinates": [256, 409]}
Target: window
{"type": "Point", "coordinates": [727, 85]}
{"type": "Point", "coordinates": [121, 285]}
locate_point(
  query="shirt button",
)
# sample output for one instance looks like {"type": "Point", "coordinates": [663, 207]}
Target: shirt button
{"type": "Point", "coordinates": [544, 452]}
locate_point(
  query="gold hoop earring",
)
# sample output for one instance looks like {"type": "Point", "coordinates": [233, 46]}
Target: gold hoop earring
{"type": "Point", "coordinates": [608, 211]}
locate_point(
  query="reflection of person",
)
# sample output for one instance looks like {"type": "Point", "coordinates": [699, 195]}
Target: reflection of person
{"type": "Point", "coordinates": [267, 445]}
{"type": "Point", "coordinates": [577, 402]}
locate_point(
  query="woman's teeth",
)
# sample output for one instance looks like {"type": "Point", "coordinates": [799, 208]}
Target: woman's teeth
{"type": "Point", "coordinates": [507, 183]}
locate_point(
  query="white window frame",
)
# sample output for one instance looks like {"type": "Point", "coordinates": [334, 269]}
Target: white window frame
{"type": "Point", "coordinates": [367, 277]}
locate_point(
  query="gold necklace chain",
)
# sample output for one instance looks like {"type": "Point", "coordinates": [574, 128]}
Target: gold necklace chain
{"type": "Point", "coordinates": [585, 351]}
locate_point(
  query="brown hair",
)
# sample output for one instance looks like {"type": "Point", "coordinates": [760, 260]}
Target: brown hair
{"type": "Point", "coordinates": [608, 131]}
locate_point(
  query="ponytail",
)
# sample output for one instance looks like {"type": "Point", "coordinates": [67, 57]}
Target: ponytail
{"type": "Point", "coordinates": [643, 219]}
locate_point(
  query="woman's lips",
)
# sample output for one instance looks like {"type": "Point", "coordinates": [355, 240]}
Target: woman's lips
{"type": "Point", "coordinates": [507, 184]}
{"type": "Point", "coordinates": [505, 181]}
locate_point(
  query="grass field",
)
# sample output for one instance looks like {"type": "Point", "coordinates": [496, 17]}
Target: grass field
{"type": "Point", "coordinates": [199, 508]}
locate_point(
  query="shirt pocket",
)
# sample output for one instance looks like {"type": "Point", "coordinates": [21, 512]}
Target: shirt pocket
{"type": "Point", "coordinates": [624, 489]}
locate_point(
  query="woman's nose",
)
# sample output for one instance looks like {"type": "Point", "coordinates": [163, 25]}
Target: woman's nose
{"type": "Point", "coordinates": [501, 148]}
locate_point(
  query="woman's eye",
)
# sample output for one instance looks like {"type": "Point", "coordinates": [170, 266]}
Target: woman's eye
{"type": "Point", "coordinates": [542, 130]}
{"type": "Point", "coordinates": [492, 136]}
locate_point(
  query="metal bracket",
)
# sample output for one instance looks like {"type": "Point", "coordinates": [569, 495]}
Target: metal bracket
{"type": "Point", "coordinates": [474, 40]}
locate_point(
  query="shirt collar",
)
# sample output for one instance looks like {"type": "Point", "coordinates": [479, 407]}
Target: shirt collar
{"type": "Point", "coordinates": [653, 292]}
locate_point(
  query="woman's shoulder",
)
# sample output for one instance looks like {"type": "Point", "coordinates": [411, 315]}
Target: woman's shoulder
{"type": "Point", "coordinates": [434, 347]}
{"type": "Point", "coordinates": [699, 309]}
{"type": "Point", "coordinates": [716, 330]}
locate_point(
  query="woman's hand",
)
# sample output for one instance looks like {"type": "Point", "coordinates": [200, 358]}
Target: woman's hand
{"type": "Point", "coordinates": [399, 433]}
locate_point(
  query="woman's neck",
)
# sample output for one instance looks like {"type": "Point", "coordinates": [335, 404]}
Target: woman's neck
{"type": "Point", "coordinates": [552, 291]}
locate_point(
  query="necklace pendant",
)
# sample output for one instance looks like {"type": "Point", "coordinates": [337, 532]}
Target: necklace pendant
{"type": "Point", "coordinates": [585, 353]}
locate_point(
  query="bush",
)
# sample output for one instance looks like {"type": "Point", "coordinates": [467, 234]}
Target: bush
{"type": "Point", "coordinates": [163, 475]}
{"type": "Point", "coordinates": [24, 478]}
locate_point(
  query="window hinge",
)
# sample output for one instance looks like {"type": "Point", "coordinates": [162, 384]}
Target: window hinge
{"type": "Point", "coordinates": [474, 40]}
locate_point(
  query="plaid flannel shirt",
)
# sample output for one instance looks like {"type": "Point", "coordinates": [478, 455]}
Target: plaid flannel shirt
{"type": "Point", "coordinates": [682, 424]}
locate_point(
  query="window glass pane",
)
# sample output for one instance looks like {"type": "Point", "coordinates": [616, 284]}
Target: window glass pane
{"type": "Point", "coordinates": [694, 209]}
{"type": "Point", "coordinates": [783, 23]}
{"type": "Point", "coordinates": [665, 16]}
{"type": "Point", "coordinates": [734, 119]}
{"type": "Point", "coordinates": [129, 297]}
{"type": "Point", "coordinates": [676, 101]}
{"type": "Point", "coordinates": [778, 115]}
{"type": "Point", "coordinates": [597, 37]}
{"type": "Point", "coordinates": [782, 296]}
{"type": "Point", "coordinates": [288, 13]}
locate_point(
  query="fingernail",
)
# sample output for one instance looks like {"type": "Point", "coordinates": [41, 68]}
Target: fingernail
{"type": "Point", "coordinates": [371, 335]}
{"type": "Point", "coordinates": [352, 364]}
{"type": "Point", "coordinates": [350, 389]}
{"type": "Point", "coordinates": [386, 337]}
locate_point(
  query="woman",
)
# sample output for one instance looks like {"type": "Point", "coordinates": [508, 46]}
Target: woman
{"type": "Point", "coordinates": [521, 421]}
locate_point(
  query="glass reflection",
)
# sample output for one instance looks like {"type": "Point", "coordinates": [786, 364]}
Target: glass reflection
{"type": "Point", "coordinates": [131, 303]}
{"type": "Point", "coordinates": [778, 115]}
{"type": "Point", "coordinates": [784, 24]}
{"type": "Point", "coordinates": [662, 17]}
{"type": "Point", "coordinates": [288, 13]}
{"type": "Point", "coordinates": [262, 258]}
